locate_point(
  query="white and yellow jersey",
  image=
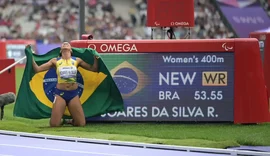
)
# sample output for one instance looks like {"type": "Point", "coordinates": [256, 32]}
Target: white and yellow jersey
{"type": "Point", "coordinates": [66, 70]}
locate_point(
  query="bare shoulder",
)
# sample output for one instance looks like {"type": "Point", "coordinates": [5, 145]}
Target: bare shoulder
{"type": "Point", "coordinates": [53, 61]}
{"type": "Point", "coordinates": [79, 60]}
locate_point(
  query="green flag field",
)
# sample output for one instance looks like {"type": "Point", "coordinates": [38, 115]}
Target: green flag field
{"type": "Point", "coordinates": [35, 94]}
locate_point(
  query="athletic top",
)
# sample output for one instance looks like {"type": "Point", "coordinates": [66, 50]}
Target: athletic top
{"type": "Point", "coordinates": [66, 70]}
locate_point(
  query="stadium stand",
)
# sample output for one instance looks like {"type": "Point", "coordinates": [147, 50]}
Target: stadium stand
{"type": "Point", "coordinates": [54, 21]}
{"type": "Point", "coordinates": [266, 6]}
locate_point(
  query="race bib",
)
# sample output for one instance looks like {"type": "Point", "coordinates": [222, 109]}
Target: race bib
{"type": "Point", "coordinates": [68, 72]}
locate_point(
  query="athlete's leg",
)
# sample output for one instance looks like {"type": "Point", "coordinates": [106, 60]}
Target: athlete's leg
{"type": "Point", "coordinates": [58, 110]}
{"type": "Point", "coordinates": [76, 111]}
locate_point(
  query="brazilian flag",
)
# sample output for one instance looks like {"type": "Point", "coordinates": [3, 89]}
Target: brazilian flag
{"type": "Point", "coordinates": [97, 91]}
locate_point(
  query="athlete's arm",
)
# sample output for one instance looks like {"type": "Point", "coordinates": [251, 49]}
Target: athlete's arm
{"type": "Point", "coordinates": [87, 66]}
{"type": "Point", "coordinates": [45, 66]}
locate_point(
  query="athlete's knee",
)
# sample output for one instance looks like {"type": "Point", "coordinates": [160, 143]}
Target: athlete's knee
{"type": "Point", "coordinates": [80, 123]}
{"type": "Point", "coordinates": [55, 124]}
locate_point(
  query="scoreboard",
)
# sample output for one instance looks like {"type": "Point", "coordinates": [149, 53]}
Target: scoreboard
{"type": "Point", "coordinates": [173, 86]}
{"type": "Point", "coordinates": [185, 80]}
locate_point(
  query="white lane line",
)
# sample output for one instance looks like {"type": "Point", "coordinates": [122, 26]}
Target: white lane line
{"type": "Point", "coordinates": [62, 150]}
{"type": "Point", "coordinates": [5, 155]}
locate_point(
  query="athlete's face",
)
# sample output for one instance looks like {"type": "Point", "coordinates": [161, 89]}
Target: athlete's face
{"type": "Point", "coordinates": [66, 48]}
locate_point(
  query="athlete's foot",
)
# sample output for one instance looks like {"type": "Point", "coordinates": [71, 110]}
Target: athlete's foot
{"type": "Point", "coordinates": [68, 122]}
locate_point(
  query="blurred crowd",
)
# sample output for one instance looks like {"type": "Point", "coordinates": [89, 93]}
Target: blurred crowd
{"type": "Point", "coordinates": [266, 6]}
{"type": "Point", "coordinates": [54, 21]}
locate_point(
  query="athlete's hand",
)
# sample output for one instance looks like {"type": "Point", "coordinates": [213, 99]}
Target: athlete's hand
{"type": "Point", "coordinates": [29, 45]}
{"type": "Point", "coordinates": [96, 57]}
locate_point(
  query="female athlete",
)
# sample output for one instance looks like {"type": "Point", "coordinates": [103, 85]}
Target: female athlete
{"type": "Point", "coordinates": [66, 92]}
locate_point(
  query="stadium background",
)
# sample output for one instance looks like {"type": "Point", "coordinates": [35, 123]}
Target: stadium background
{"type": "Point", "coordinates": [50, 22]}
{"type": "Point", "coordinates": [55, 21]}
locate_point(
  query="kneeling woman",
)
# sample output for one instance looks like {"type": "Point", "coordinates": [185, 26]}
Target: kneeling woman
{"type": "Point", "coordinates": [66, 92]}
